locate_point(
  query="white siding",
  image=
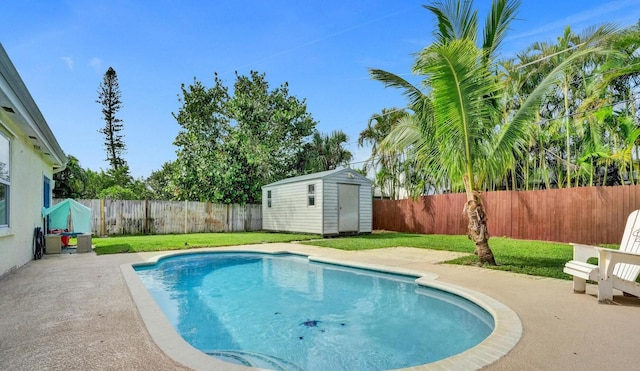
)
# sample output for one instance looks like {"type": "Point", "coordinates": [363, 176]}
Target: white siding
{"type": "Point", "coordinates": [330, 207]}
{"type": "Point", "coordinates": [366, 208]}
{"type": "Point", "coordinates": [289, 211]}
{"type": "Point", "coordinates": [25, 201]}
{"type": "Point", "coordinates": [34, 152]}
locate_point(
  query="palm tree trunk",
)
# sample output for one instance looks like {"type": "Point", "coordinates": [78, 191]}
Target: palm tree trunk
{"type": "Point", "coordinates": [527, 163]}
{"type": "Point", "coordinates": [637, 143]}
{"type": "Point", "coordinates": [477, 228]}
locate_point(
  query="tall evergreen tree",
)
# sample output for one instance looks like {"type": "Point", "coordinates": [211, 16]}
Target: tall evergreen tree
{"type": "Point", "coordinates": [109, 97]}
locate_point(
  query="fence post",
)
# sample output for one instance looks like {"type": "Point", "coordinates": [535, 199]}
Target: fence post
{"type": "Point", "coordinates": [247, 217]}
{"type": "Point", "coordinates": [102, 231]}
{"type": "Point", "coordinates": [146, 229]}
{"type": "Point", "coordinates": [186, 206]}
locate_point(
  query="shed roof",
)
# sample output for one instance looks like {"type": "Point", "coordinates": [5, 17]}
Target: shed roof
{"type": "Point", "coordinates": [319, 175]}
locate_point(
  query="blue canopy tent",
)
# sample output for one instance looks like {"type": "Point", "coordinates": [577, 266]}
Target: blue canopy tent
{"type": "Point", "coordinates": [59, 216]}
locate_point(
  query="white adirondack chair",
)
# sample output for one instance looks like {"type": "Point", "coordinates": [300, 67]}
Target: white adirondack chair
{"type": "Point", "coordinates": [617, 269]}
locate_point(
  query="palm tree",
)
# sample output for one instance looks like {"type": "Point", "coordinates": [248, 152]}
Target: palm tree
{"type": "Point", "coordinates": [388, 164]}
{"type": "Point", "coordinates": [325, 152]}
{"type": "Point", "coordinates": [619, 83]}
{"type": "Point", "coordinates": [563, 109]}
{"type": "Point", "coordinates": [469, 143]}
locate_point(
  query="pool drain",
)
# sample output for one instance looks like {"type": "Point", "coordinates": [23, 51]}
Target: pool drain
{"type": "Point", "coordinates": [310, 323]}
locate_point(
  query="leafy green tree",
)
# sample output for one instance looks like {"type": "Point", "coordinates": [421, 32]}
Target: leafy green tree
{"type": "Point", "coordinates": [205, 124]}
{"type": "Point", "coordinates": [105, 184]}
{"type": "Point", "coordinates": [109, 96]}
{"type": "Point", "coordinates": [117, 192]}
{"type": "Point", "coordinates": [70, 182]}
{"type": "Point", "coordinates": [96, 182]}
{"type": "Point", "coordinates": [120, 176]}
{"type": "Point", "coordinates": [231, 145]}
{"type": "Point", "coordinates": [76, 182]}
{"type": "Point", "coordinates": [272, 127]}
{"type": "Point", "coordinates": [162, 183]}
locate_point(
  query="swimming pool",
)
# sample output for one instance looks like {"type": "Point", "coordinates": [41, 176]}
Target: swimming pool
{"type": "Point", "coordinates": [362, 325]}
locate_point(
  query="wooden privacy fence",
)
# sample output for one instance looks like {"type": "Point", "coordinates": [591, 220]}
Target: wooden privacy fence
{"type": "Point", "coordinates": [118, 217]}
{"type": "Point", "coordinates": [590, 215]}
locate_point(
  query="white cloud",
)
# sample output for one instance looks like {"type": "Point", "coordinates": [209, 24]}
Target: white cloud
{"type": "Point", "coordinates": [96, 63]}
{"type": "Point", "coordinates": [68, 61]}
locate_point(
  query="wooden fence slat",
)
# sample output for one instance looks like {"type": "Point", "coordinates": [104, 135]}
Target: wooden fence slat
{"type": "Point", "coordinates": [590, 215]}
{"type": "Point", "coordinates": [171, 217]}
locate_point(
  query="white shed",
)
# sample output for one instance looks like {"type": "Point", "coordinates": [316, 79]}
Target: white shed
{"type": "Point", "coordinates": [328, 203]}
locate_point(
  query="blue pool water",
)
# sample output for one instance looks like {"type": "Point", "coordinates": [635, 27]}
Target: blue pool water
{"type": "Point", "coordinates": [284, 312]}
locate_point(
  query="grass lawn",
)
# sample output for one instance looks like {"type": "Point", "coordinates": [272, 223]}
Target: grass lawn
{"type": "Point", "coordinates": [114, 245]}
{"type": "Point", "coordinates": [521, 256]}
{"type": "Point", "coordinates": [536, 258]}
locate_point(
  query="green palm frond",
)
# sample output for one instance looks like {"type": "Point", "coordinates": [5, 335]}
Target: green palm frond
{"type": "Point", "coordinates": [413, 93]}
{"type": "Point", "coordinates": [513, 137]}
{"type": "Point", "coordinates": [460, 86]}
{"type": "Point", "coordinates": [456, 20]}
{"type": "Point", "coordinates": [405, 134]}
{"type": "Point", "coordinates": [409, 136]}
{"type": "Point", "coordinates": [502, 13]}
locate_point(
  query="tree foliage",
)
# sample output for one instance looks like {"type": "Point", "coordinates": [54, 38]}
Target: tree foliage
{"type": "Point", "coordinates": [325, 152]}
{"type": "Point", "coordinates": [557, 115]}
{"type": "Point", "coordinates": [117, 192]}
{"type": "Point", "coordinates": [70, 182]}
{"type": "Point", "coordinates": [230, 145]}
{"type": "Point", "coordinates": [109, 96]}
{"type": "Point", "coordinates": [458, 134]}
{"type": "Point", "coordinates": [582, 132]}
{"type": "Point", "coordinates": [161, 183]}
{"type": "Point", "coordinates": [116, 182]}
{"type": "Point", "coordinates": [76, 182]}
{"type": "Point", "coordinates": [392, 168]}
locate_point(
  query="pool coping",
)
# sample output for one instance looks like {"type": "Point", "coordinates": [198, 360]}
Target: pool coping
{"type": "Point", "coordinates": [505, 336]}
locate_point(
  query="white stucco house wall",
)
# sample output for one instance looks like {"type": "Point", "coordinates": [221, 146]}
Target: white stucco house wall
{"type": "Point", "coordinates": [29, 156]}
{"type": "Point", "coordinates": [328, 203]}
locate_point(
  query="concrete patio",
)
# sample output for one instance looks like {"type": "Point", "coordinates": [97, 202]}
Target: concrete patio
{"type": "Point", "coordinates": [74, 312]}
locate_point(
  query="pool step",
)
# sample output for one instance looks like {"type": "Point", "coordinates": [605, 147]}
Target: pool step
{"type": "Point", "coordinates": [252, 359]}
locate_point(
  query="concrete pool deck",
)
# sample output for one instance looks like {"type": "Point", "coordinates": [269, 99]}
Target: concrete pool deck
{"type": "Point", "coordinates": [74, 312]}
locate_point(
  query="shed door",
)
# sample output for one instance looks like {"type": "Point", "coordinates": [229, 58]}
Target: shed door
{"type": "Point", "coordinates": [348, 207]}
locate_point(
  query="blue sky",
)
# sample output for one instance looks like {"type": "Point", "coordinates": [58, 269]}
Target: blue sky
{"type": "Point", "coordinates": [322, 48]}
